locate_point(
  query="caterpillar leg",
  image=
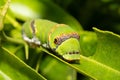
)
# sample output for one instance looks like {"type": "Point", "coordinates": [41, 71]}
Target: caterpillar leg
{"type": "Point", "coordinates": [46, 45]}
{"type": "Point", "coordinates": [33, 42]}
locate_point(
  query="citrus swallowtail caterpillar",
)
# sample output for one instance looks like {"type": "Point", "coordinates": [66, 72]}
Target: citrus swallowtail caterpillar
{"type": "Point", "coordinates": [58, 37]}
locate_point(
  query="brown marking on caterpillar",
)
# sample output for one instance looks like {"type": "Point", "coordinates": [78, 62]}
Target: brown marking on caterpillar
{"type": "Point", "coordinates": [73, 52]}
{"type": "Point", "coordinates": [53, 29]}
{"type": "Point", "coordinates": [32, 25]}
{"type": "Point", "coordinates": [61, 38]}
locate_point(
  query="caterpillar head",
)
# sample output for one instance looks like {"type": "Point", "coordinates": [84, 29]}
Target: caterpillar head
{"type": "Point", "coordinates": [65, 41]}
{"type": "Point", "coordinates": [69, 49]}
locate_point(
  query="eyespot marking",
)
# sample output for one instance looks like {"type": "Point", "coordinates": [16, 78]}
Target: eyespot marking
{"type": "Point", "coordinates": [55, 41]}
{"type": "Point", "coordinates": [61, 38]}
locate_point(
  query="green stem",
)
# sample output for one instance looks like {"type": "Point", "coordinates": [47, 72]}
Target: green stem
{"type": "Point", "coordinates": [38, 63]}
{"type": "Point", "coordinates": [12, 39]}
{"type": "Point", "coordinates": [26, 51]}
{"type": "Point", "coordinates": [18, 42]}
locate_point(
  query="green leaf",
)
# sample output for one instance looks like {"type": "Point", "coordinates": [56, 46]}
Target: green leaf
{"type": "Point", "coordinates": [88, 43]}
{"type": "Point", "coordinates": [108, 49]}
{"type": "Point", "coordinates": [50, 66]}
{"type": "Point", "coordinates": [104, 64]}
{"type": "Point", "coordinates": [42, 9]}
{"type": "Point", "coordinates": [106, 59]}
{"type": "Point", "coordinates": [12, 68]}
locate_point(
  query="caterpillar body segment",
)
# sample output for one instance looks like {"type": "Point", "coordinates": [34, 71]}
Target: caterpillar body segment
{"type": "Point", "coordinates": [58, 37]}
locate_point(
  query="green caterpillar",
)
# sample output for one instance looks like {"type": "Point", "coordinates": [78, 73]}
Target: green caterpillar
{"type": "Point", "coordinates": [57, 37]}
